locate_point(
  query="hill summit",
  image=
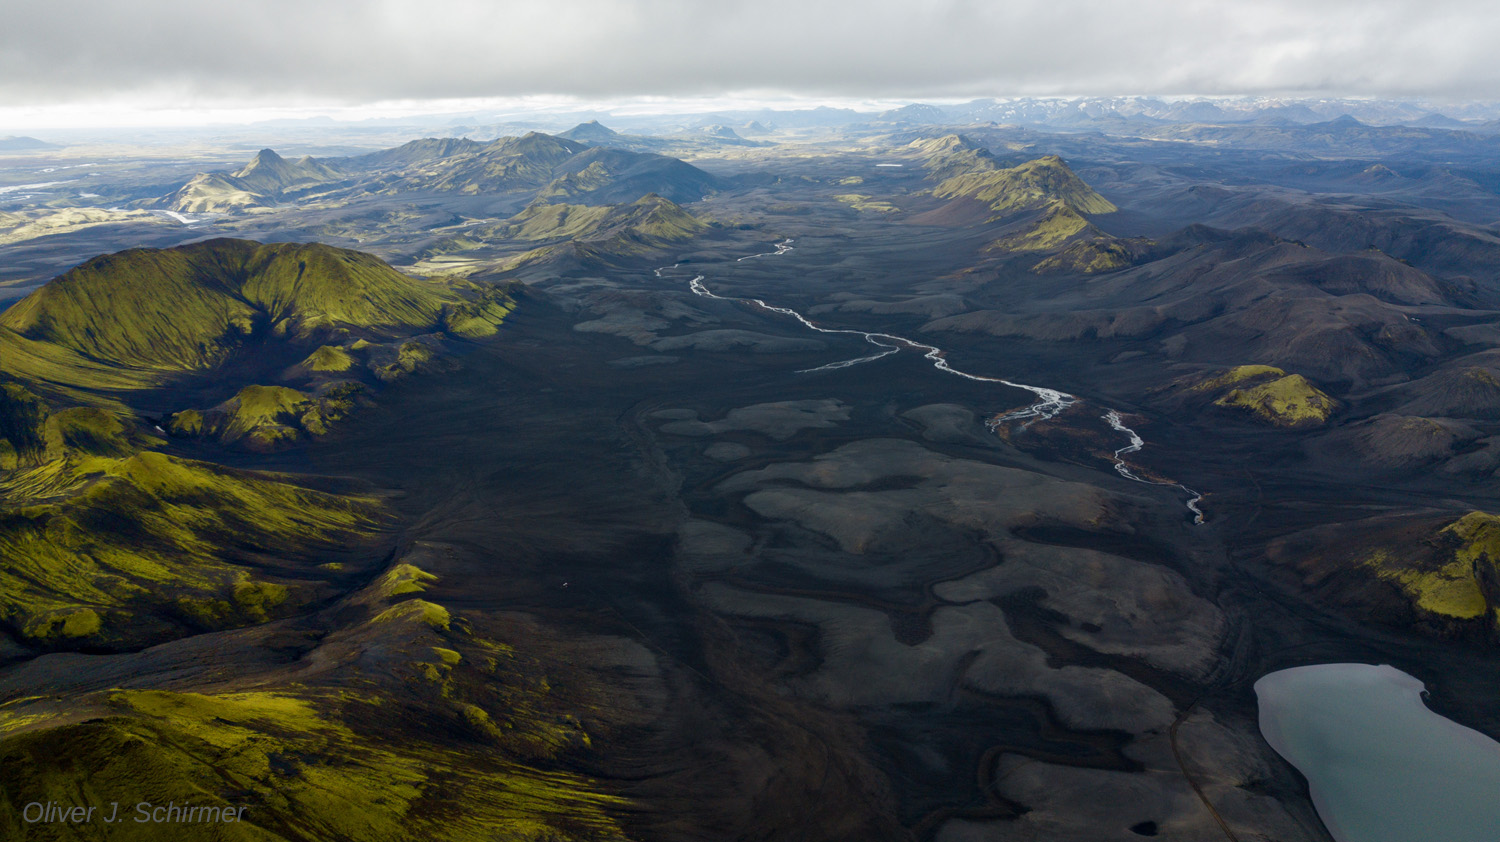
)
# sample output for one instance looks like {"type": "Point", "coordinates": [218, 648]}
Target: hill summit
{"type": "Point", "coordinates": [270, 173]}
{"type": "Point", "coordinates": [1039, 206]}
{"type": "Point", "coordinates": [591, 132]}
{"type": "Point", "coordinates": [125, 319]}
{"type": "Point", "coordinates": [966, 170]}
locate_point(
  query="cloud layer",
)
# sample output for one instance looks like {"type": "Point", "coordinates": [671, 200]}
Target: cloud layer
{"type": "Point", "coordinates": [279, 50]}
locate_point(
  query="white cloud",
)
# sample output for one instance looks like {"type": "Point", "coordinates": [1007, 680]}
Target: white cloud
{"type": "Point", "coordinates": [284, 53]}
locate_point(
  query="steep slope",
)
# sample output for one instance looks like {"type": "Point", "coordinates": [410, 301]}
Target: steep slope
{"type": "Point", "coordinates": [593, 132]}
{"type": "Point", "coordinates": [265, 418]}
{"type": "Point", "coordinates": [1271, 395]}
{"type": "Point", "coordinates": [1039, 207]}
{"type": "Point", "coordinates": [216, 193]}
{"type": "Point", "coordinates": [1034, 184]}
{"type": "Point", "coordinates": [105, 545]}
{"type": "Point", "coordinates": [407, 721]}
{"type": "Point", "coordinates": [418, 152]}
{"type": "Point", "coordinates": [507, 165]}
{"type": "Point", "coordinates": [650, 219]}
{"type": "Point", "coordinates": [1407, 444]}
{"type": "Point", "coordinates": [263, 182]}
{"type": "Point", "coordinates": [149, 312]}
{"type": "Point", "coordinates": [272, 174]}
{"type": "Point", "coordinates": [952, 155]}
{"type": "Point", "coordinates": [583, 234]}
{"type": "Point", "coordinates": [1440, 575]}
{"type": "Point", "coordinates": [1221, 298]}
{"type": "Point", "coordinates": [603, 176]}
{"type": "Point", "coordinates": [551, 168]}
{"type": "Point", "coordinates": [966, 170]}
{"type": "Point", "coordinates": [1465, 389]}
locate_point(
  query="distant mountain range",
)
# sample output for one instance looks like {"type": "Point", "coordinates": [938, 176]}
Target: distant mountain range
{"type": "Point", "coordinates": [14, 143]}
{"type": "Point", "coordinates": [1101, 112]}
{"type": "Point", "coordinates": [550, 167]}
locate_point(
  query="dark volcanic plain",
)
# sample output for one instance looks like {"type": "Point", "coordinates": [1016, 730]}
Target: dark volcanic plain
{"type": "Point", "coordinates": [766, 602]}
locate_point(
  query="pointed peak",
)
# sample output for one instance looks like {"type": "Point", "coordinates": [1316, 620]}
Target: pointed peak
{"type": "Point", "coordinates": [593, 130]}
{"type": "Point", "coordinates": [1048, 162]}
{"type": "Point", "coordinates": [946, 143]}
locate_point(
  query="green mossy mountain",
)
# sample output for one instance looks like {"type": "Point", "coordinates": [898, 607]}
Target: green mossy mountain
{"type": "Point", "coordinates": [133, 319]}
{"type": "Point", "coordinates": [1463, 581]}
{"type": "Point", "coordinates": [651, 219]}
{"type": "Point", "coordinates": [600, 235]}
{"type": "Point", "coordinates": [1272, 396]}
{"type": "Point", "coordinates": [26, 439]}
{"type": "Point", "coordinates": [651, 222]}
{"type": "Point", "coordinates": [328, 358]}
{"type": "Point", "coordinates": [425, 150]}
{"type": "Point", "coordinates": [1041, 205]}
{"type": "Point", "coordinates": [266, 418]}
{"type": "Point", "coordinates": [33, 434]}
{"type": "Point", "coordinates": [107, 544]}
{"type": "Point", "coordinates": [406, 724]}
{"type": "Point", "coordinates": [482, 310]}
{"type": "Point", "coordinates": [1091, 256]}
{"type": "Point", "coordinates": [965, 170]}
{"type": "Point", "coordinates": [1439, 575]}
{"type": "Point", "coordinates": [557, 169]}
{"type": "Point", "coordinates": [118, 552]}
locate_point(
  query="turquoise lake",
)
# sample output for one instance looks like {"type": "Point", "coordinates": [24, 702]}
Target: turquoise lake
{"type": "Point", "coordinates": [1382, 767]}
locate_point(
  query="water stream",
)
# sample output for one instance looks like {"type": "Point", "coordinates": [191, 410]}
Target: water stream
{"type": "Point", "coordinates": [1047, 403]}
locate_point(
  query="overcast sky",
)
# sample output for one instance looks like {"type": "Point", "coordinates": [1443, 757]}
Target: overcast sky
{"type": "Point", "coordinates": [125, 60]}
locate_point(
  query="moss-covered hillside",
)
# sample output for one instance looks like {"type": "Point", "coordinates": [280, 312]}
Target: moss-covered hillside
{"type": "Point", "coordinates": [108, 543]}
{"type": "Point", "coordinates": [1040, 205]}
{"type": "Point", "coordinates": [1033, 184]}
{"type": "Point", "coordinates": [409, 723]}
{"type": "Point", "coordinates": [150, 311]}
{"type": "Point", "coordinates": [103, 550]}
{"type": "Point", "coordinates": [1440, 575]}
{"type": "Point", "coordinates": [1270, 395]}
{"type": "Point", "coordinates": [602, 233]}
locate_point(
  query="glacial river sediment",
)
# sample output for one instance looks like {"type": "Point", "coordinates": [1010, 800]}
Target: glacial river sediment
{"type": "Point", "coordinates": [1048, 403]}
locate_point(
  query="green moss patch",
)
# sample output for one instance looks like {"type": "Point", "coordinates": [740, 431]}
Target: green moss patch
{"type": "Point", "coordinates": [866, 204]}
{"type": "Point", "coordinates": [1289, 401]}
{"type": "Point", "coordinates": [266, 418]}
{"type": "Point", "coordinates": [421, 732]}
{"type": "Point", "coordinates": [1088, 257]}
{"type": "Point", "coordinates": [1237, 375]}
{"type": "Point", "coordinates": [127, 320]}
{"type": "Point", "coordinates": [153, 546]}
{"type": "Point", "coordinates": [329, 358]}
{"type": "Point", "coordinates": [1034, 184]}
